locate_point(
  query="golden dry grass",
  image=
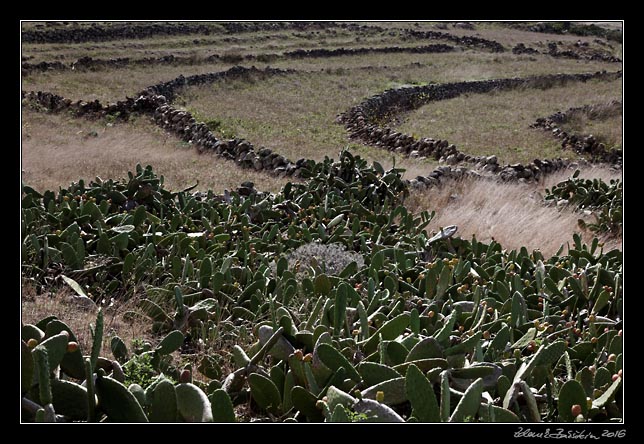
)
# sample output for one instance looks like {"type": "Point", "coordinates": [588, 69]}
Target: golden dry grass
{"type": "Point", "coordinates": [498, 123]}
{"type": "Point", "coordinates": [58, 149]}
{"type": "Point", "coordinates": [511, 214]}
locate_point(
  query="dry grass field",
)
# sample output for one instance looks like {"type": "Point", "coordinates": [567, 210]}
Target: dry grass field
{"type": "Point", "coordinates": [57, 150]}
{"type": "Point", "coordinates": [510, 214]}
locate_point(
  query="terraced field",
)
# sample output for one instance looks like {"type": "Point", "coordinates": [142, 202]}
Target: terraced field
{"type": "Point", "coordinates": [321, 222]}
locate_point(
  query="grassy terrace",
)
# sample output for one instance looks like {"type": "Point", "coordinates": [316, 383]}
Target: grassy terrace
{"type": "Point", "coordinates": [113, 84]}
{"type": "Point", "coordinates": [200, 45]}
{"type": "Point", "coordinates": [498, 123]}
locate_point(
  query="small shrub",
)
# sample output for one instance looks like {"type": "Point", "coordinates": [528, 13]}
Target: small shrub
{"type": "Point", "coordinates": [139, 370]}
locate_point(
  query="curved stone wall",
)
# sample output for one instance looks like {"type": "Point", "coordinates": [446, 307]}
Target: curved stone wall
{"type": "Point", "coordinates": [361, 121]}
{"type": "Point", "coordinates": [155, 100]}
{"type": "Point", "coordinates": [579, 143]}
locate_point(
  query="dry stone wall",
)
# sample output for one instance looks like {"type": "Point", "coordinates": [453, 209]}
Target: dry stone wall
{"type": "Point", "coordinates": [579, 143]}
{"type": "Point", "coordinates": [89, 63]}
{"type": "Point", "coordinates": [581, 52]}
{"type": "Point", "coordinates": [475, 42]}
{"type": "Point", "coordinates": [97, 32]}
{"type": "Point", "coordinates": [362, 121]}
{"type": "Point", "coordinates": [155, 100]}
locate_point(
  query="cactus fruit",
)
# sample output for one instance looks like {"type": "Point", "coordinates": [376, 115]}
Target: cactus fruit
{"type": "Point", "coordinates": [571, 394]}
{"type": "Point", "coordinates": [185, 376]}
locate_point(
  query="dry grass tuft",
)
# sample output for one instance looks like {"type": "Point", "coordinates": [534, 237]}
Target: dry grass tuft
{"type": "Point", "coordinates": [511, 214]}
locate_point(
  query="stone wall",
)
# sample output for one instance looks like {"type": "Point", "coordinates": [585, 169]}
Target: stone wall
{"type": "Point", "coordinates": [155, 99]}
{"type": "Point", "coordinates": [583, 144]}
{"type": "Point", "coordinates": [98, 32]}
{"type": "Point", "coordinates": [581, 52]}
{"type": "Point", "coordinates": [363, 122]}
{"type": "Point", "coordinates": [519, 173]}
{"type": "Point", "coordinates": [476, 42]}
{"type": "Point", "coordinates": [89, 63]}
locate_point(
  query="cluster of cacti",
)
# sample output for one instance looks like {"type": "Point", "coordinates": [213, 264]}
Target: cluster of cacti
{"type": "Point", "coordinates": [416, 328]}
{"type": "Point", "coordinates": [60, 384]}
{"type": "Point", "coordinates": [603, 200]}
